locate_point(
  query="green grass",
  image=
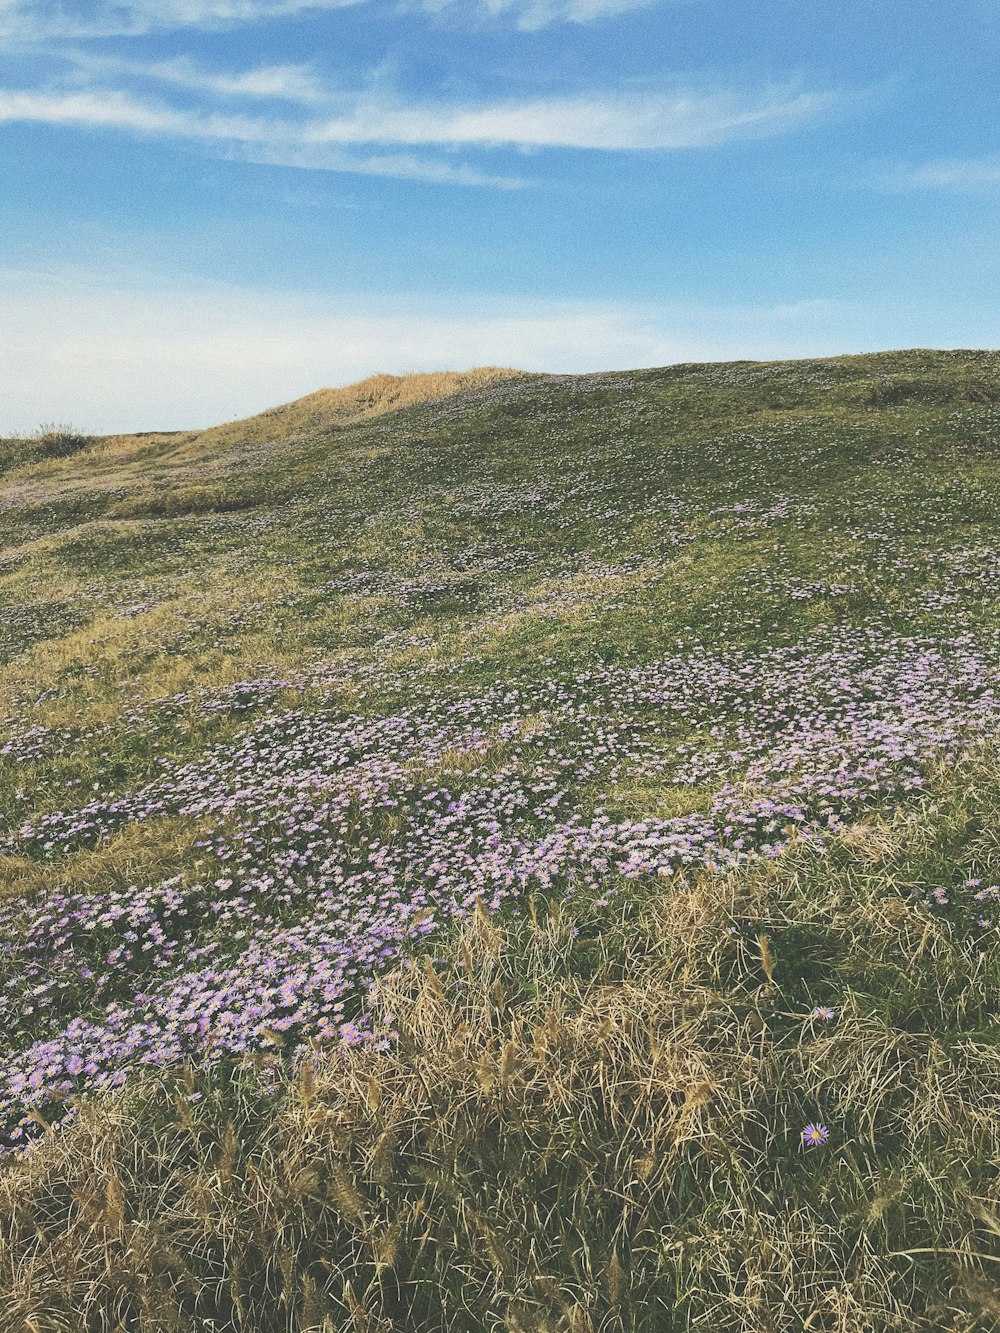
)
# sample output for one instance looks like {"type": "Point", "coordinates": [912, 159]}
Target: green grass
{"type": "Point", "coordinates": [591, 1119]}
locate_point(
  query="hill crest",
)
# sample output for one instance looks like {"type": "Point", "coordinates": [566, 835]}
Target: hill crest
{"type": "Point", "coordinates": [324, 409]}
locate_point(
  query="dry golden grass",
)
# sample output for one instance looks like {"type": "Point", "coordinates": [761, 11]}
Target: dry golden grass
{"type": "Point", "coordinates": [326, 409]}
{"type": "Point", "coordinates": [134, 853]}
{"type": "Point", "coordinates": [591, 1121]}
{"type": "Point", "coordinates": [586, 1124]}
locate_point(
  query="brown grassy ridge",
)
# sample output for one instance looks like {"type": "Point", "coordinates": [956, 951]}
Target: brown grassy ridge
{"type": "Point", "coordinates": [590, 1122]}
{"type": "Point", "coordinates": [324, 410]}
{"type": "Point", "coordinates": [166, 474]}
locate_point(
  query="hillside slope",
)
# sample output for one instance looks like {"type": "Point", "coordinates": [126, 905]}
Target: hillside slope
{"type": "Point", "coordinates": [654, 715]}
{"type": "Point", "coordinates": [326, 409]}
{"type": "Point", "coordinates": [202, 461]}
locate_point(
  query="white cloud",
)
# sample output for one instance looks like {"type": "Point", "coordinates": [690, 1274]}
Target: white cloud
{"type": "Point", "coordinates": [622, 121]}
{"type": "Point", "coordinates": [533, 14]}
{"type": "Point", "coordinates": [109, 354]}
{"type": "Point", "coordinates": [600, 121]}
{"type": "Point", "coordinates": [33, 20]}
{"type": "Point", "coordinates": [400, 166]}
{"type": "Point", "coordinates": [238, 138]}
{"type": "Point", "coordinates": [46, 19]}
{"type": "Point", "coordinates": [287, 83]}
{"type": "Point", "coordinates": [959, 174]}
{"type": "Point", "coordinates": [113, 110]}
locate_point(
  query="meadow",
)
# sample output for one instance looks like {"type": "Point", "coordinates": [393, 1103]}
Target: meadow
{"type": "Point", "coordinates": [508, 852]}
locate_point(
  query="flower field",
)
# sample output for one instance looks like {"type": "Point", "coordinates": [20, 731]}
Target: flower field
{"type": "Point", "coordinates": [334, 843]}
{"type": "Point", "coordinates": [549, 649]}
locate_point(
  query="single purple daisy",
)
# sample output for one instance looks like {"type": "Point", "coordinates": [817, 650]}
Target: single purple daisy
{"type": "Point", "coordinates": [813, 1136]}
{"type": "Point", "coordinates": [824, 1012]}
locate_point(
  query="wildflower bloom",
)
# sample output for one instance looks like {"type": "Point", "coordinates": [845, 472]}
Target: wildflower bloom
{"type": "Point", "coordinates": [814, 1136]}
{"type": "Point", "coordinates": [299, 901]}
{"type": "Point", "coordinates": [824, 1012]}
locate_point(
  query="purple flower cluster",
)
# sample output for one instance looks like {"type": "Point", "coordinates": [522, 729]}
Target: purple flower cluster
{"type": "Point", "coordinates": [330, 843]}
{"type": "Point", "coordinates": [970, 900]}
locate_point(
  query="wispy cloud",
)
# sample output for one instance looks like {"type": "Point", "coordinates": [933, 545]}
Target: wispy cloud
{"type": "Point", "coordinates": [959, 174]}
{"type": "Point", "coordinates": [612, 122]}
{"type": "Point", "coordinates": [286, 83]}
{"type": "Point", "coordinates": [32, 20]}
{"type": "Point", "coordinates": [400, 166]}
{"type": "Point", "coordinates": [259, 140]}
{"type": "Point", "coordinates": [106, 109]}
{"type": "Point", "coordinates": [47, 19]}
{"type": "Point", "coordinates": [605, 122]}
{"type": "Point", "coordinates": [533, 14]}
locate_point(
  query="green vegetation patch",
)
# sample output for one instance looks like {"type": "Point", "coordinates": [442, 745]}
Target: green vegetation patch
{"type": "Point", "coordinates": [515, 854]}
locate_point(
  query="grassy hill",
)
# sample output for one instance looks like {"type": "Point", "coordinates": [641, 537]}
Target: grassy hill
{"type": "Point", "coordinates": [508, 852]}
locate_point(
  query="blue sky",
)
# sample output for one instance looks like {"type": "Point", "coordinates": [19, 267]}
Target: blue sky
{"type": "Point", "coordinates": [211, 206]}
